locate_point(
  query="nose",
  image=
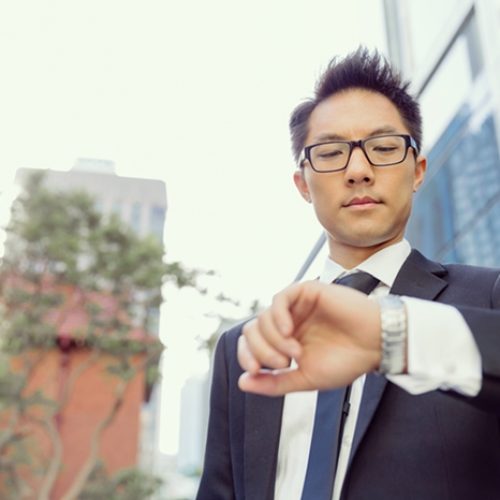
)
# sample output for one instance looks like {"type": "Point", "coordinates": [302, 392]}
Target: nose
{"type": "Point", "coordinates": [359, 169]}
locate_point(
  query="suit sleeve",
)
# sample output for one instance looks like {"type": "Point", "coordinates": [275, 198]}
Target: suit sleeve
{"type": "Point", "coordinates": [485, 327]}
{"type": "Point", "coordinates": [217, 477]}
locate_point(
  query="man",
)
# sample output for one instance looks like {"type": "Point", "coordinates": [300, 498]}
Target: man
{"type": "Point", "coordinates": [427, 425]}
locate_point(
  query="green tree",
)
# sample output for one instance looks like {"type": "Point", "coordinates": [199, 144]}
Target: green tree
{"type": "Point", "coordinates": [61, 250]}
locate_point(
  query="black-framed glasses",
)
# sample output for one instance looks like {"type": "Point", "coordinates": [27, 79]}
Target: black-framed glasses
{"type": "Point", "coordinates": [380, 151]}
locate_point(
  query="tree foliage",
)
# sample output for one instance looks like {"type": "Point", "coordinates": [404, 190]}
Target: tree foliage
{"type": "Point", "coordinates": [62, 255]}
{"type": "Point", "coordinates": [128, 484]}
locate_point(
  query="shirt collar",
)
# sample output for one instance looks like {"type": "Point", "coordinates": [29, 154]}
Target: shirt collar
{"type": "Point", "coordinates": [383, 265]}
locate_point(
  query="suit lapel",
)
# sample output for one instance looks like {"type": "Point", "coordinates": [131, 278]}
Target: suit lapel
{"type": "Point", "coordinates": [261, 441]}
{"type": "Point", "coordinates": [418, 277]}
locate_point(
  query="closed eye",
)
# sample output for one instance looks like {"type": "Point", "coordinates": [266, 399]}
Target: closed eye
{"type": "Point", "coordinates": [385, 149]}
{"type": "Point", "coordinates": [330, 154]}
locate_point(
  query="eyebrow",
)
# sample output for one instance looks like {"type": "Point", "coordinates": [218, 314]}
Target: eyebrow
{"type": "Point", "coordinates": [336, 137]}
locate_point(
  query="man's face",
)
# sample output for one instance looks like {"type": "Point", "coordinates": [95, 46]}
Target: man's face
{"type": "Point", "coordinates": [361, 207]}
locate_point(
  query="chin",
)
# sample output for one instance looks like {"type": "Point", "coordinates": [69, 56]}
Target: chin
{"type": "Point", "coordinates": [367, 239]}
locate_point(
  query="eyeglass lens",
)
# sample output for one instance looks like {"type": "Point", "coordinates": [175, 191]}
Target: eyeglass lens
{"type": "Point", "coordinates": [384, 150]}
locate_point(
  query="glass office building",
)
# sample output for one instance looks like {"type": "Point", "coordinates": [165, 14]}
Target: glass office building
{"type": "Point", "coordinates": [450, 50]}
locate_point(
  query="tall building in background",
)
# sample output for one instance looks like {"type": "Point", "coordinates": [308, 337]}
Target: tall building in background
{"type": "Point", "coordinates": [450, 51]}
{"type": "Point", "coordinates": [195, 400]}
{"type": "Point", "coordinates": [142, 204]}
{"type": "Point", "coordinates": [193, 424]}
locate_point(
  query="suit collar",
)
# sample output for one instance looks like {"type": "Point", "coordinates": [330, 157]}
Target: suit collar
{"type": "Point", "coordinates": [420, 278]}
{"type": "Point", "coordinates": [383, 264]}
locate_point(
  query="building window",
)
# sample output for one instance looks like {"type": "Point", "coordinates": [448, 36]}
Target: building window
{"type": "Point", "coordinates": [464, 189]}
{"type": "Point", "coordinates": [156, 221]}
{"type": "Point", "coordinates": [116, 208]}
{"type": "Point", "coordinates": [441, 99]}
{"type": "Point", "coordinates": [426, 20]}
{"type": "Point", "coordinates": [135, 217]}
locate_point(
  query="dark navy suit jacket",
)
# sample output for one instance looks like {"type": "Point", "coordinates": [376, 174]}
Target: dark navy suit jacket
{"type": "Point", "coordinates": [434, 446]}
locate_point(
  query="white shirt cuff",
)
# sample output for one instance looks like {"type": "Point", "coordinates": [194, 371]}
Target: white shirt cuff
{"type": "Point", "coordinates": [442, 353]}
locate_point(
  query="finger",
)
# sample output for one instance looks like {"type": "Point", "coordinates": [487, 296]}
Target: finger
{"type": "Point", "coordinates": [245, 358]}
{"type": "Point", "coordinates": [285, 345]}
{"type": "Point", "coordinates": [305, 301]}
{"type": "Point", "coordinates": [273, 383]}
{"type": "Point", "coordinates": [263, 352]}
{"type": "Point", "coordinates": [282, 306]}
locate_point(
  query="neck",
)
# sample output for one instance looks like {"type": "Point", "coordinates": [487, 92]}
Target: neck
{"type": "Point", "coordinates": [351, 256]}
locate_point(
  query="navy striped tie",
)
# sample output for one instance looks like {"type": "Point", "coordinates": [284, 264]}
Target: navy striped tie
{"type": "Point", "coordinates": [329, 419]}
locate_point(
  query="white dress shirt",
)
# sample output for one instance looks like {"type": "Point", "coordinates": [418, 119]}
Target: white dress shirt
{"type": "Point", "coordinates": [442, 354]}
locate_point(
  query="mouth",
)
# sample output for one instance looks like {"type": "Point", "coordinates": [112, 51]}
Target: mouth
{"type": "Point", "coordinates": [362, 203]}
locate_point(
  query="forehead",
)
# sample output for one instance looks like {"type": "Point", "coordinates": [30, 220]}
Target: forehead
{"type": "Point", "coordinates": [354, 114]}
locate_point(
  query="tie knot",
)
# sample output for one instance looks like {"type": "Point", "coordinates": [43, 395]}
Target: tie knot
{"type": "Point", "coordinates": [364, 282]}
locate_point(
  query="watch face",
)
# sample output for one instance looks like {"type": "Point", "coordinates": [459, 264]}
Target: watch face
{"type": "Point", "coordinates": [392, 301]}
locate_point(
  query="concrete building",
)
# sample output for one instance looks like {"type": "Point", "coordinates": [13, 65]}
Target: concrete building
{"type": "Point", "coordinates": [142, 204]}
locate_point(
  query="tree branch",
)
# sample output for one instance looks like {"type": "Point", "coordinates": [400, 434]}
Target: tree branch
{"type": "Point", "coordinates": [89, 465]}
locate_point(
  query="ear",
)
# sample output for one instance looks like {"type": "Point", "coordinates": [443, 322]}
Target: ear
{"type": "Point", "coordinates": [301, 183]}
{"type": "Point", "coordinates": [420, 169]}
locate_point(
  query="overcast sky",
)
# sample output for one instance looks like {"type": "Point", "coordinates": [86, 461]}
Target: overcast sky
{"type": "Point", "coordinates": [196, 93]}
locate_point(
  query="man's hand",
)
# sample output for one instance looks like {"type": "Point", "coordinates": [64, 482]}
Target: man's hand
{"type": "Point", "coordinates": [331, 331]}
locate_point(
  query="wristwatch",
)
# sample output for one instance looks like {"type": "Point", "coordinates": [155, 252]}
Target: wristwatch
{"type": "Point", "coordinates": [393, 321]}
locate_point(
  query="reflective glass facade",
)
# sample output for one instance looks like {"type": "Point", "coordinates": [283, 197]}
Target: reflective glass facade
{"type": "Point", "coordinates": [426, 19]}
{"type": "Point", "coordinates": [456, 217]}
{"type": "Point", "coordinates": [452, 59]}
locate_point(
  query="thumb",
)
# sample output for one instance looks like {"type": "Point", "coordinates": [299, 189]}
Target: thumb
{"type": "Point", "coordinates": [273, 383]}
